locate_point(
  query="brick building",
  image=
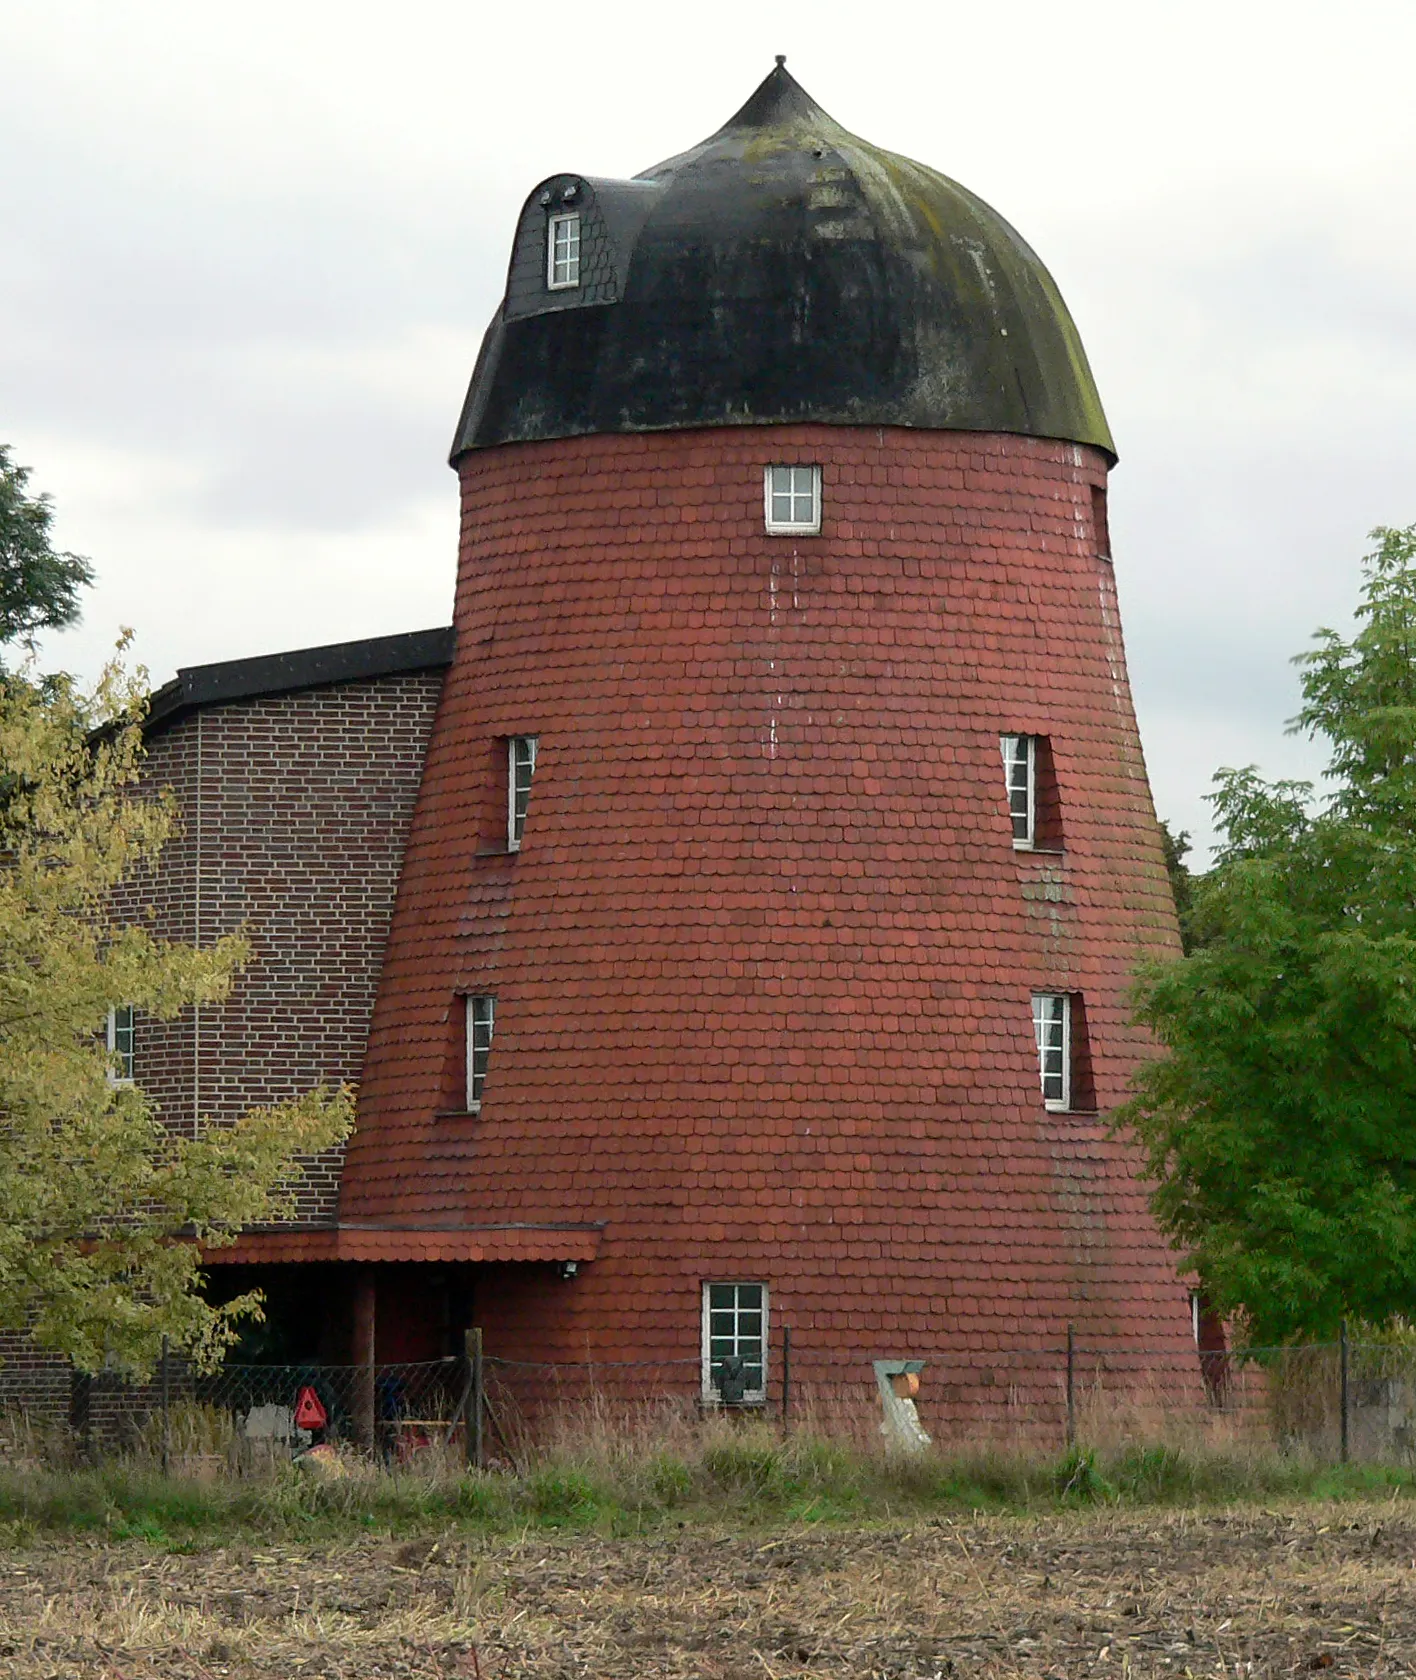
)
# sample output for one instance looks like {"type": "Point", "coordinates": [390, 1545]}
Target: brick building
{"type": "Point", "coordinates": [729, 921]}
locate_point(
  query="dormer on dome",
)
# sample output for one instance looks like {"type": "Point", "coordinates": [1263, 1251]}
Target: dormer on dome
{"type": "Point", "coordinates": [781, 270]}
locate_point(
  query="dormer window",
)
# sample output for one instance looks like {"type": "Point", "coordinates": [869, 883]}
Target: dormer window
{"type": "Point", "coordinates": [793, 501]}
{"type": "Point", "coordinates": [563, 251]}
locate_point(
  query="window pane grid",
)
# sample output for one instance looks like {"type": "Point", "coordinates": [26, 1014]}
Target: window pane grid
{"type": "Point", "coordinates": [735, 1328]}
{"type": "Point", "coordinates": [1019, 761]}
{"type": "Point", "coordinates": [521, 767]}
{"type": "Point", "coordinates": [481, 1021]}
{"type": "Point", "coordinates": [1051, 1027]}
{"type": "Point", "coordinates": [122, 1038]}
{"type": "Point", "coordinates": [794, 499]}
{"type": "Point", "coordinates": [563, 265]}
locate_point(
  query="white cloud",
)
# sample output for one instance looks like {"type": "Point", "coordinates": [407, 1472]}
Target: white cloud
{"type": "Point", "coordinates": [250, 253]}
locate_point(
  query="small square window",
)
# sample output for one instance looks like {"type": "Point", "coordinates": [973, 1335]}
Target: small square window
{"type": "Point", "coordinates": [1020, 777]}
{"type": "Point", "coordinates": [1052, 1026]}
{"type": "Point", "coordinates": [735, 1329]}
{"type": "Point", "coordinates": [481, 1019]}
{"type": "Point", "coordinates": [563, 252]}
{"type": "Point", "coordinates": [121, 1039]}
{"type": "Point", "coordinates": [793, 500]}
{"type": "Point", "coordinates": [520, 768]}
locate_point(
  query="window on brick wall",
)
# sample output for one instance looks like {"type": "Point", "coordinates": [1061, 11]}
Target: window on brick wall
{"type": "Point", "coordinates": [563, 252]}
{"type": "Point", "coordinates": [1020, 777]}
{"type": "Point", "coordinates": [1030, 781]}
{"type": "Point", "coordinates": [1052, 1027]}
{"type": "Point", "coordinates": [122, 1037]}
{"type": "Point", "coordinates": [481, 1022]}
{"type": "Point", "coordinates": [520, 768]}
{"type": "Point", "coordinates": [793, 500]}
{"type": "Point", "coordinates": [735, 1329]}
{"type": "Point", "coordinates": [1064, 1061]}
{"type": "Point", "coordinates": [1101, 535]}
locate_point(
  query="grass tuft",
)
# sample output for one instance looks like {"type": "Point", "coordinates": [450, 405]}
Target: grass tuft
{"type": "Point", "coordinates": [669, 1467]}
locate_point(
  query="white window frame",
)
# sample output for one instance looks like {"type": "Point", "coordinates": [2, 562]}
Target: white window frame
{"type": "Point", "coordinates": [1042, 1020]}
{"type": "Point", "coordinates": [777, 527]}
{"type": "Point", "coordinates": [520, 755]}
{"type": "Point", "coordinates": [1027, 759]}
{"type": "Point", "coordinates": [567, 267]}
{"type": "Point", "coordinates": [115, 1034]}
{"type": "Point", "coordinates": [481, 1008]}
{"type": "Point", "coordinates": [752, 1396]}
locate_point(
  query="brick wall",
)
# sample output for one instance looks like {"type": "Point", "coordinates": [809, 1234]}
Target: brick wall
{"type": "Point", "coordinates": [294, 810]}
{"type": "Point", "coordinates": [764, 961]}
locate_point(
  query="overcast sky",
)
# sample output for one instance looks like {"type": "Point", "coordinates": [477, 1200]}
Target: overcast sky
{"type": "Point", "coordinates": [247, 255]}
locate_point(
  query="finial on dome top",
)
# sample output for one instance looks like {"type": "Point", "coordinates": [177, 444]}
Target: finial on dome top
{"type": "Point", "coordinates": [781, 61]}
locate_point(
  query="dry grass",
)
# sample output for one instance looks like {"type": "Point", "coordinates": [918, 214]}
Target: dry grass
{"type": "Point", "coordinates": [1110, 1593]}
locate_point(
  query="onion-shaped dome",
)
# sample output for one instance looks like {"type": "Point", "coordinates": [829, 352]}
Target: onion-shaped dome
{"type": "Point", "coordinates": [782, 270]}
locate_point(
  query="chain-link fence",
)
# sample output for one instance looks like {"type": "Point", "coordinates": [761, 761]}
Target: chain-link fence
{"type": "Point", "coordinates": [1338, 1401]}
{"type": "Point", "coordinates": [238, 1417]}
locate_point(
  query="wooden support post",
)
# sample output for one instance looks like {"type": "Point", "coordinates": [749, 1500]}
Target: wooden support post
{"type": "Point", "coordinates": [476, 1402]}
{"type": "Point", "coordinates": [365, 1409]}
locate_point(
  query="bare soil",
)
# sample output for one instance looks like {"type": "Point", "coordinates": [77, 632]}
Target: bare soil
{"type": "Point", "coordinates": [1116, 1594]}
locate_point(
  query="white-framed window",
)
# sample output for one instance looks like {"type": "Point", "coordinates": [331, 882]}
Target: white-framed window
{"type": "Point", "coordinates": [735, 1327]}
{"type": "Point", "coordinates": [481, 1021]}
{"type": "Point", "coordinates": [1052, 1026]}
{"type": "Point", "coordinates": [1020, 777]}
{"type": "Point", "coordinates": [121, 1037]}
{"type": "Point", "coordinates": [563, 251]}
{"type": "Point", "coordinates": [792, 497]}
{"type": "Point", "coordinates": [520, 768]}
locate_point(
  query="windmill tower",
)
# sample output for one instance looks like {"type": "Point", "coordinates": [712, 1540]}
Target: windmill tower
{"type": "Point", "coordinates": [784, 846]}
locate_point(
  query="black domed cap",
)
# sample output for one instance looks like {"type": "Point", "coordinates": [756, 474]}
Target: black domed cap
{"type": "Point", "coordinates": [783, 270]}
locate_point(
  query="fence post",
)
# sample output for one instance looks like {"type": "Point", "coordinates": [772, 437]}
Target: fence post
{"type": "Point", "coordinates": [786, 1377]}
{"type": "Point", "coordinates": [1343, 1391]}
{"type": "Point", "coordinates": [1071, 1388]}
{"type": "Point", "coordinates": [166, 1411]}
{"type": "Point", "coordinates": [365, 1376]}
{"type": "Point", "coordinates": [476, 1400]}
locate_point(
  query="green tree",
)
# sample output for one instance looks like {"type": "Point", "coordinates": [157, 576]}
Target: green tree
{"type": "Point", "coordinates": [1279, 1124]}
{"type": "Point", "coordinates": [39, 587]}
{"type": "Point", "coordinates": [1176, 845]}
{"type": "Point", "coordinates": [103, 1205]}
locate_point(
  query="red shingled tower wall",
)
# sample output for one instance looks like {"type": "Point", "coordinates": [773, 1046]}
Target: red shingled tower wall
{"type": "Point", "coordinates": [764, 961]}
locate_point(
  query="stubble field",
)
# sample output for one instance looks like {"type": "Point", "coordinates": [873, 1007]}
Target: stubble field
{"type": "Point", "coordinates": [1110, 1593]}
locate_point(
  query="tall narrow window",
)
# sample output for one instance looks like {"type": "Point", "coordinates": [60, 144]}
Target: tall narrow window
{"type": "Point", "coordinates": [1052, 1025]}
{"type": "Point", "coordinates": [1101, 534]}
{"type": "Point", "coordinates": [793, 500]}
{"type": "Point", "coordinates": [1020, 775]}
{"type": "Point", "coordinates": [563, 252]}
{"type": "Point", "coordinates": [481, 1019]}
{"type": "Point", "coordinates": [735, 1343]}
{"type": "Point", "coordinates": [520, 768]}
{"type": "Point", "coordinates": [121, 1038]}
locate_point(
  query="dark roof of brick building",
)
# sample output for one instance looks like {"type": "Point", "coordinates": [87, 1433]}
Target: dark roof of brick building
{"type": "Point", "coordinates": [781, 270]}
{"type": "Point", "coordinates": [196, 686]}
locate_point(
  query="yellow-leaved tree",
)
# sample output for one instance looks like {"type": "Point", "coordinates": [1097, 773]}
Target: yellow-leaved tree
{"type": "Point", "coordinates": [102, 1207]}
